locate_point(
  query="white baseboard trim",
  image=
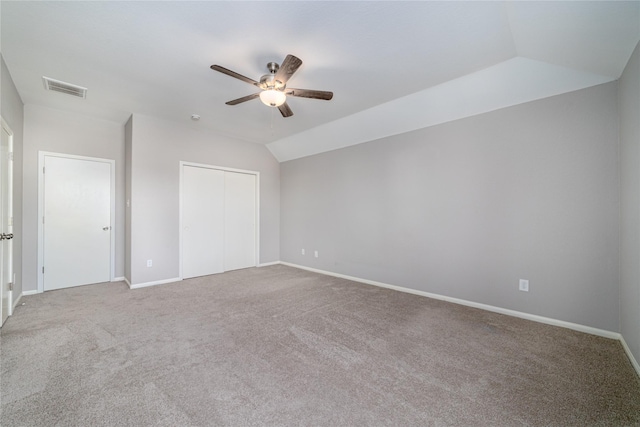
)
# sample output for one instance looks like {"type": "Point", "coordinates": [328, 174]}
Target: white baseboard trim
{"type": "Point", "coordinates": [33, 292]}
{"type": "Point", "coordinates": [267, 264]}
{"type": "Point", "coordinates": [627, 350]}
{"type": "Point", "coordinates": [157, 282]}
{"type": "Point", "coordinates": [15, 303]}
{"type": "Point", "coordinates": [527, 316]}
{"type": "Point", "coordinates": [118, 279]}
{"type": "Point", "coordinates": [125, 280]}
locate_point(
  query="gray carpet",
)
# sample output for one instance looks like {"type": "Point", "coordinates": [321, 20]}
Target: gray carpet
{"type": "Point", "coordinates": [281, 346]}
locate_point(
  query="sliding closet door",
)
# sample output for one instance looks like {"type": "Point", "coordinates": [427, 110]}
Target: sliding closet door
{"type": "Point", "coordinates": [203, 216]}
{"type": "Point", "coordinates": [219, 220]}
{"type": "Point", "coordinates": [240, 220]}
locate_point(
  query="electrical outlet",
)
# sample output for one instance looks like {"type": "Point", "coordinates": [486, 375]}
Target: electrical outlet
{"type": "Point", "coordinates": [315, 254]}
{"type": "Point", "coordinates": [524, 285]}
{"type": "Point", "coordinates": [149, 263]}
{"type": "Point", "coordinates": [302, 251]}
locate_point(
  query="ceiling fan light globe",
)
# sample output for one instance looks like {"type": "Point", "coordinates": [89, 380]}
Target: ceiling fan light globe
{"type": "Point", "coordinates": [272, 98]}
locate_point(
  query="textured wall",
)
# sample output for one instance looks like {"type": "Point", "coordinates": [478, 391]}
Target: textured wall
{"type": "Point", "coordinates": [629, 95]}
{"type": "Point", "coordinates": [467, 208]}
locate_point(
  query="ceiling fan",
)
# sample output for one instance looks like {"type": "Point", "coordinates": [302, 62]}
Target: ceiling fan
{"type": "Point", "coordinates": [274, 85]}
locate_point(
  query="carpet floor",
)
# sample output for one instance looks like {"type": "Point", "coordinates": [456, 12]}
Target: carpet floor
{"type": "Point", "coordinates": [279, 346]}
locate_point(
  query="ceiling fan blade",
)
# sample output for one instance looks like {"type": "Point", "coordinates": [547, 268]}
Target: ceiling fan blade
{"type": "Point", "coordinates": [243, 99]}
{"type": "Point", "coordinates": [285, 110]}
{"type": "Point", "coordinates": [289, 66]}
{"type": "Point", "coordinates": [234, 74]}
{"type": "Point", "coordinates": [308, 93]}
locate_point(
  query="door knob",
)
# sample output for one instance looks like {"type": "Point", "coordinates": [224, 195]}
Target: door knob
{"type": "Point", "coordinates": [6, 236]}
{"type": "Point", "coordinates": [106, 228]}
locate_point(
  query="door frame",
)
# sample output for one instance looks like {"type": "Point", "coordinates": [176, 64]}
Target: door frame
{"type": "Point", "coordinates": [224, 169]}
{"type": "Point", "coordinates": [6, 127]}
{"type": "Point", "coordinates": [41, 159]}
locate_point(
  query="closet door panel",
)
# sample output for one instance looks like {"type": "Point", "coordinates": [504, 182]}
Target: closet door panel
{"type": "Point", "coordinates": [240, 221]}
{"type": "Point", "coordinates": [203, 221]}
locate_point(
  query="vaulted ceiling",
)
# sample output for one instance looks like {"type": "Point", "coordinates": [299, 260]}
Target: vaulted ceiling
{"type": "Point", "coordinates": [393, 66]}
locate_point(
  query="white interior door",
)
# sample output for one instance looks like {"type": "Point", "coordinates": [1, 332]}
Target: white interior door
{"type": "Point", "coordinates": [77, 222]}
{"type": "Point", "coordinates": [202, 221]}
{"type": "Point", "coordinates": [6, 224]}
{"type": "Point", "coordinates": [240, 221]}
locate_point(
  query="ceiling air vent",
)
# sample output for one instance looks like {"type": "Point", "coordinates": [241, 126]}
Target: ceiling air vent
{"type": "Point", "coordinates": [62, 87]}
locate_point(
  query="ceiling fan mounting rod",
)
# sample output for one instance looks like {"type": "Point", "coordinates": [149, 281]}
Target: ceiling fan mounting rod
{"type": "Point", "coordinates": [273, 67]}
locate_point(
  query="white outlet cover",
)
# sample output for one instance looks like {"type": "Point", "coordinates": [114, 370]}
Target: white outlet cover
{"type": "Point", "coordinates": [524, 285]}
{"type": "Point", "coordinates": [315, 254]}
{"type": "Point", "coordinates": [149, 263]}
{"type": "Point", "coordinates": [302, 251]}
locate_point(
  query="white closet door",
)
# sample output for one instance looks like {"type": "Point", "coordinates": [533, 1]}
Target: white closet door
{"type": "Point", "coordinates": [240, 221]}
{"type": "Point", "coordinates": [77, 222]}
{"type": "Point", "coordinates": [202, 221]}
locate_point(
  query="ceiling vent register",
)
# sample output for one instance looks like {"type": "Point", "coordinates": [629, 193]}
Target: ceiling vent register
{"type": "Point", "coordinates": [62, 87]}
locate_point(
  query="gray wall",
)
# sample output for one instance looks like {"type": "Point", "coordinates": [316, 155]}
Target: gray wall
{"type": "Point", "coordinates": [465, 209]}
{"type": "Point", "coordinates": [58, 131]}
{"type": "Point", "coordinates": [157, 148]}
{"type": "Point", "coordinates": [12, 111]}
{"type": "Point", "coordinates": [629, 95]}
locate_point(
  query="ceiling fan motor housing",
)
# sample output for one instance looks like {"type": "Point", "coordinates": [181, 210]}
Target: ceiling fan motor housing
{"type": "Point", "coordinates": [268, 81]}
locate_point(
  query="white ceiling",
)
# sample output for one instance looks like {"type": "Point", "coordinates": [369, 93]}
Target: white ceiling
{"type": "Point", "coordinates": [393, 66]}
